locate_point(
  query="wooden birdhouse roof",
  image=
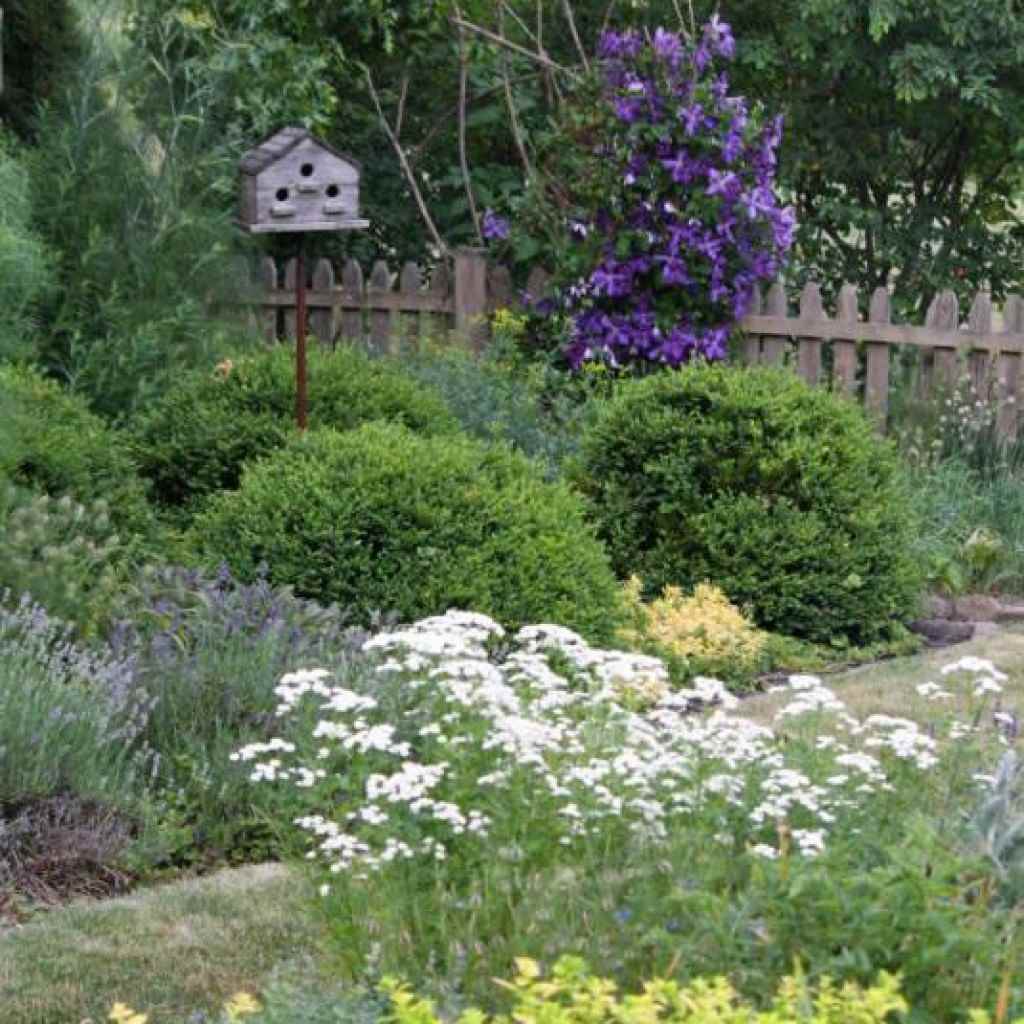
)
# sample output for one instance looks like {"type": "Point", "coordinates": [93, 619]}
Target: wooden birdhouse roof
{"type": "Point", "coordinates": [280, 144]}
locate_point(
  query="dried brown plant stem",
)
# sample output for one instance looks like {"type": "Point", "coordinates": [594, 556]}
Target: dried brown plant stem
{"type": "Point", "coordinates": [410, 177]}
{"type": "Point", "coordinates": [540, 57]}
{"type": "Point", "coordinates": [467, 181]}
{"type": "Point", "coordinates": [567, 11]}
{"type": "Point", "coordinates": [402, 97]}
{"type": "Point", "coordinates": [513, 115]}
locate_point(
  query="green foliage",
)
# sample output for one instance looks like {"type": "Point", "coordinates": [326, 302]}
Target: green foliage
{"type": "Point", "coordinates": [496, 401]}
{"type": "Point", "coordinates": [196, 439]}
{"type": "Point", "coordinates": [26, 272]}
{"type": "Point", "coordinates": [121, 177]}
{"type": "Point", "coordinates": [381, 519]}
{"type": "Point", "coordinates": [930, 201]}
{"type": "Point", "coordinates": [52, 443]}
{"type": "Point", "coordinates": [972, 526]}
{"type": "Point", "coordinates": [66, 556]}
{"type": "Point", "coordinates": [777, 493]}
{"type": "Point", "coordinates": [39, 44]}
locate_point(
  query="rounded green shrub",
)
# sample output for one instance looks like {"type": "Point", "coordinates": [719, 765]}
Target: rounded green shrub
{"type": "Point", "coordinates": [778, 493]}
{"type": "Point", "coordinates": [198, 436]}
{"type": "Point", "coordinates": [382, 519]}
{"type": "Point", "coordinates": [52, 443]}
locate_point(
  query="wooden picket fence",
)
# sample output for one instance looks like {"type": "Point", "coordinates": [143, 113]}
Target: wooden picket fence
{"type": "Point", "coordinates": [388, 309]}
{"type": "Point", "coordinates": [845, 352]}
{"type": "Point", "coordinates": [859, 354]}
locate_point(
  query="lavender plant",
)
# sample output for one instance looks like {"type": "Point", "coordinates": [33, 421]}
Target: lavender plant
{"type": "Point", "coordinates": [671, 219]}
{"type": "Point", "coordinates": [207, 650]}
{"type": "Point", "coordinates": [71, 718]}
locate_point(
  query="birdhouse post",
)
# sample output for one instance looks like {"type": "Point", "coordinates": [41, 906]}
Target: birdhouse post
{"type": "Point", "coordinates": [293, 183]}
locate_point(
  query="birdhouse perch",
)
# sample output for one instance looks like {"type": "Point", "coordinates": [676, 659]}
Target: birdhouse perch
{"type": "Point", "coordinates": [293, 183]}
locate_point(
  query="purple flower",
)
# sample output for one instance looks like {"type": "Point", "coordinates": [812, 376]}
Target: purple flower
{"type": "Point", "coordinates": [669, 272]}
{"type": "Point", "coordinates": [722, 183]}
{"type": "Point", "coordinates": [668, 47]}
{"type": "Point", "coordinates": [691, 118]}
{"type": "Point", "coordinates": [673, 270]}
{"type": "Point", "coordinates": [718, 36]}
{"type": "Point", "coordinates": [628, 109]}
{"type": "Point", "coordinates": [495, 228]}
{"type": "Point", "coordinates": [619, 46]}
{"type": "Point", "coordinates": [682, 167]}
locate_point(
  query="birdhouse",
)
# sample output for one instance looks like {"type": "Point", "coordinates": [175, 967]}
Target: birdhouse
{"type": "Point", "coordinates": [293, 182]}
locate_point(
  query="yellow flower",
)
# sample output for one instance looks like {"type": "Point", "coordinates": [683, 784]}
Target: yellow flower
{"type": "Point", "coordinates": [241, 1005]}
{"type": "Point", "coordinates": [122, 1014]}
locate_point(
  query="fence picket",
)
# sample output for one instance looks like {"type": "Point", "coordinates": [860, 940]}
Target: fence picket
{"type": "Point", "coordinates": [471, 296]}
{"type": "Point", "coordinates": [876, 381]}
{"type": "Point", "coordinates": [268, 282]}
{"type": "Point", "coordinates": [809, 349]}
{"type": "Point", "coordinates": [500, 293]}
{"type": "Point", "coordinates": [1009, 370]}
{"type": "Point", "coordinates": [944, 315]}
{"type": "Point", "coordinates": [352, 291]}
{"type": "Point", "coordinates": [290, 278]}
{"type": "Point", "coordinates": [410, 285]}
{"type": "Point", "coordinates": [752, 342]}
{"type": "Point", "coordinates": [980, 363]}
{"type": "Point", "coordinates": [379, 287]}
{"type": "Point", "coordinates": [773, 348]}
{"type": "Point", "coordinates": [322, 318]}
{"type": "Point", "coordinates": [538, 284]}
{"type": "Point", "coordinates": [844, 353]}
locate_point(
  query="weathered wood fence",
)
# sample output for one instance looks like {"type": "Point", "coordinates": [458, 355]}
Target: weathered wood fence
{"type": "Point", "coordinates": [388, 309]}
{"type": "Point", "coordinates": [855, 356]}
{"type": "Point", "coordinates": [843, 351]}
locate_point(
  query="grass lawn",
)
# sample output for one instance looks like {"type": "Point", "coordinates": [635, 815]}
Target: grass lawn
{"type": "Point", "coordinates": [888, 688]}
{"type": "Point", "coordinates": [170, 950]}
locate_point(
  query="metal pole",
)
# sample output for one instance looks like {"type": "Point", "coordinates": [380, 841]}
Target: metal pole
{"type": "Point", "coordinates": [301, 412]}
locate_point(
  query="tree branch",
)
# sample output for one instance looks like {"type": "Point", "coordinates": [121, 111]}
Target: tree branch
{"type": "Point", "coordinates": [540, 58]}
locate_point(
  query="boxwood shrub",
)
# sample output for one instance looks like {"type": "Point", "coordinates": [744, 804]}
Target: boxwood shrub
{"type": "Point", "coordinates": [198, 436]}
{"type": "Point", "coordinates": [383, 519]}
{"type": "Point", "coordinates": [780, 494]}
{"type": "Point", "coordinates": [52, 443]}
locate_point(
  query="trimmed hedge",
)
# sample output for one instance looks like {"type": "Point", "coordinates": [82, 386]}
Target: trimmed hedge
{"type": "Point", "coordinates": [52, 443]}
{"type": "Point", "coordinates": [780, 494]}
{"type": "Point", "coordinates": [196, 439]}
{"type": "Point", "coordinates": [382, 519]}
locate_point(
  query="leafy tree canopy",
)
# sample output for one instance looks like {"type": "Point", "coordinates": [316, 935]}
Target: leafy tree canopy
{"type": "Point", "coordinates": [902, 144]}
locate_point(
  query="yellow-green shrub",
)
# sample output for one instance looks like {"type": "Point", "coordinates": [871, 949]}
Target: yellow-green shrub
{"type": "Point", "coordinates": [571, 995]}
{"type": "Point", "coordinates": [705, 628]}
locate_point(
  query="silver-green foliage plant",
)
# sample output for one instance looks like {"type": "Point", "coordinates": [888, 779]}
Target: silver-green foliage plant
{"type": "Point", "coordinates": [65, 555]}
{"type": "Point", "coordinates": [69, 717]}
{"type": "Point", "coordinates": [997, 826]}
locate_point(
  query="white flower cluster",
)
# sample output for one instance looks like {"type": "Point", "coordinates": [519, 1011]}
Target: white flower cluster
{"type": "Point", "coordinates": [464, 733]}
